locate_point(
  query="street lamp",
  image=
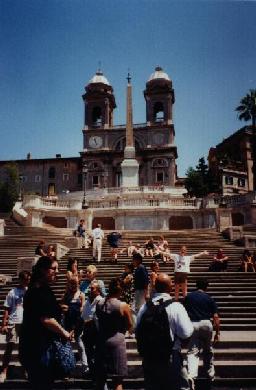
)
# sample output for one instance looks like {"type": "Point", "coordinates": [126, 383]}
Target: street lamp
{"type": "Point", "coordinates": [85, 171]}
{"type": "Point", "coordinates": [20, 191]}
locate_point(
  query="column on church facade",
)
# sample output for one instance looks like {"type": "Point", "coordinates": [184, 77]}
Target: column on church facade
{"type": "Point", "coordinates": [172, 172]}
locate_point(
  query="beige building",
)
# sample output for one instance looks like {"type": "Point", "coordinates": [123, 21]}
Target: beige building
{"type": "Point", "coordinates": [47, 176]}
{"type": "Point", "coordinates": [231, 162]}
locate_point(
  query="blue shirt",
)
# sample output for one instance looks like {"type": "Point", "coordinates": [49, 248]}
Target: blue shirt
{"type": "Point", "coordinates": [200, 306]}
{"type": "Point", "coordinates": [141, 279]}
{"type": "Point", "coordinates": [85, 287]}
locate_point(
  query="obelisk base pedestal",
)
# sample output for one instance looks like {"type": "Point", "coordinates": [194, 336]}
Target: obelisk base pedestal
{"type": "Point", "coordinates": [130, 173]}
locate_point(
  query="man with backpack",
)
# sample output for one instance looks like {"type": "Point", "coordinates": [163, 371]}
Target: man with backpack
{"type": "Point", "coordinates": [161, 326]}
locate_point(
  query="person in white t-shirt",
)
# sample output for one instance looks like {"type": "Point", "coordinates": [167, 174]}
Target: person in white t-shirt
{"type": "Point", "coordinates": [12, 319]}
{"type": "Point", "coordinates": [182, 269]}
{"type": "Point", "coordinates": [98, 236]}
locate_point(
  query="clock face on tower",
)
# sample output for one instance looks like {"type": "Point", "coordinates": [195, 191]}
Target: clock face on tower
{"type": "Point", "coordinates": [95, 142]}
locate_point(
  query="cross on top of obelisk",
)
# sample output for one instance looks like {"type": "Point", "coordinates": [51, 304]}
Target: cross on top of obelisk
{"type": "Point", "coordinates": [129, 77]}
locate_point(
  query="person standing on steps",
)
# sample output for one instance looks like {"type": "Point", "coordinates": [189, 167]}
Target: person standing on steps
{"type": "Point", "coordinates": [203, 313]}
{"type": "Point", "coordinates": [182, 269]}
{"type": "Point", "coordinates": [97, 235]}
{"type": "Point", "coordinates": [40, 249]}
{"type": "Point", "coordinates": [114, 319]}
{"type": "Point", "coordinates": [113, 240]}
{"type": "Point", "coordinates": [90, 276]}
{"type": "Point", "coordinates": [41, 324]}
{"type": "Point", "coordinates": [161, 328]}
{"type": "Point", "coordinates": [141, 282]}
{"type": "Point", "coordinates": [12, 319]}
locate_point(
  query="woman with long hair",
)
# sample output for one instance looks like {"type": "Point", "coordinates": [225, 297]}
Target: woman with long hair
{"type": "Point", "coordinates": [41, 323]}
{"type": "Point", "coordinates": [72, 270]}
{"type": "Point", "coordinates": [114, 319]}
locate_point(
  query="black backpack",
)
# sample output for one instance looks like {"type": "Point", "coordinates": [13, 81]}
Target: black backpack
{"type": "Point", "coordinates": [153, 332]}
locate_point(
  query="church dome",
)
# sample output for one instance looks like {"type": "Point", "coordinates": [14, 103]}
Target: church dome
{"type": "Point", "coordinates": [99, 78]}
{"type": "Point", "coordinates": [159, 74]}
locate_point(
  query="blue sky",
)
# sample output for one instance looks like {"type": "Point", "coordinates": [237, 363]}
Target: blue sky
{"type": "Point", "coordinates": [49, 49]}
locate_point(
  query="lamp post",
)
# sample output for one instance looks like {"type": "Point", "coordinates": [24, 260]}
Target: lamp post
{"type": "Point", "coordinates": [85, 171]}
{"type": "Point", "coordinates": [20, 191]}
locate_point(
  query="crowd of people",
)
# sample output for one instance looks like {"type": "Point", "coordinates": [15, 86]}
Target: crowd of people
{"type": "Point", "coordinates": [159, 250]}
{"type": "Point", "coordinates": [98, 318]}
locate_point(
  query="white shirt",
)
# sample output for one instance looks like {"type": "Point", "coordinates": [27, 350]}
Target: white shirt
{"type": "Point", "coordinates": [14, 302]}
{"type": "Point", "coordinates": [90, 308]}
{"type": "Point", "coordinates": [180, 325]}
{"type": "Point", "coordinates": [97, 233]}
{"type": "Point", "coordinates": [182, 263]}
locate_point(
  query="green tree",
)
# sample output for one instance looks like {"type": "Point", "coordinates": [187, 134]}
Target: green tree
{"type": "Point", "coordinates": [9, 189]}
{"type": "Point", "coordinates": [200, 182]}
{"type": "Point", "coordinates": [247, 107]}
{"type": "Point", "coordinates": [247, 112]}
{"type": "Point", "coordinates": [194, 183]}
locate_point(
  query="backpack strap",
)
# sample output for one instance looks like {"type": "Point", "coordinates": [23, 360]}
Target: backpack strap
{"type": "Point", "coordinates": [161, 302]}
{"type": "Point", "coordinates": [168, 302]}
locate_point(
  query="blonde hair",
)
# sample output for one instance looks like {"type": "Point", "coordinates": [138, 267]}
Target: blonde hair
{"type": "Point", "coordinates": [91, 268]}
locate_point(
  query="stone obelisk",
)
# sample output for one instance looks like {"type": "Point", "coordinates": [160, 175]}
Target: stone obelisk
{"type": "Point", "coordinates": [130, 166]}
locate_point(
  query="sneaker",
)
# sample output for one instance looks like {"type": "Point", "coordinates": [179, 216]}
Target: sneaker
{"type": "Point", "coordinates": [85, 370]}
{"type": "Point", "coordinates": [3, 377]}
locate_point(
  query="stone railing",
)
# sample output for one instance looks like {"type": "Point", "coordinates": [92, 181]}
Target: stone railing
{"type": "Point", "coordinates": [145, 189]}
{"type": "Point", "coordinates": [2, 224]}
{"type": "Point", "coordinates": [175, 203]}
{"type": "Point", "coordinates": [135, 125]}
{"type": "Point", "coordinates": [144, 197]}
{"type": "Point", "coordinates": [231, 200]}
{"type": "Point", "coordinates": [36, 202]}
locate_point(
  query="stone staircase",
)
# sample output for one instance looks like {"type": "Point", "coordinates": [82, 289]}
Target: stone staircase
{"type": "Point", "coordinates": [235, 293]}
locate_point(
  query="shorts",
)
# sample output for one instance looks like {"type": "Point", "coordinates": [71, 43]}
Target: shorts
{"type": "Point", "coordinates": [13, 333]}
{"type": "Point", "coordinates": [180, 277]}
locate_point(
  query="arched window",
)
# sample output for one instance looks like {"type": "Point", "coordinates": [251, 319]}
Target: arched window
{"type": "Point", "coordinates": [160, 163]}
{"type": "Point", "coordinates": [51, 173]}
{"type": "Point", "coordinates": [51, 189]}
{"type": "Point", "coordinates": [95, 165]}
{"type": "Point", "coordinates": [97, 116]}
{"type": "Point", "coordinates": [158, 112]}
{"type": "Point", "coordinates": [120, 145]}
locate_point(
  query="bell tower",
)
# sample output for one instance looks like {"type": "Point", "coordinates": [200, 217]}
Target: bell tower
{"type": "Point", "coordinates": [159, 96]}
{"type": "Point", "coordinates": [99, 103]}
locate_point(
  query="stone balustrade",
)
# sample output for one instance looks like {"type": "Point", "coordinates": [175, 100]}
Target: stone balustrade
{"type": "Point", "coordinates": [2, 224]}
{"type": "Point", "coordinates": [151, 196]}
{"type": "Point", "coordinates": [34, 201]}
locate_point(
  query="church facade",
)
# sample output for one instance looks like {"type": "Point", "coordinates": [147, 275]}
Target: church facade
{"type": "Point", "coordinates": [99, 164]}
{"type": "Point", "coordinates": [104, 142]}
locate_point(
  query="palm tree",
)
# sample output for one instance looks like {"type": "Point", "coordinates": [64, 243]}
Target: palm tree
{"type": "Point", "coordinates": [247, 110]}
